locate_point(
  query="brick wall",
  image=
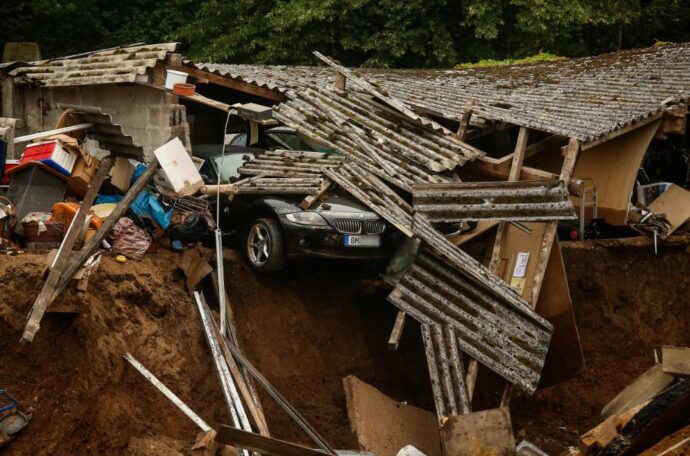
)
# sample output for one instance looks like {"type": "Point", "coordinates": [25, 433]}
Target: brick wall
{"type": "Point", "coordinates": [149, 115]}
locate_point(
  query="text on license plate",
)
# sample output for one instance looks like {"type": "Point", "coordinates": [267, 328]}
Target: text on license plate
{"type": "Point", "coordinates": [367, 240]}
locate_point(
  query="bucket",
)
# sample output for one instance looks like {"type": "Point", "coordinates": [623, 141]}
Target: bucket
{"type": "Point", "coordinates": [173, 77]}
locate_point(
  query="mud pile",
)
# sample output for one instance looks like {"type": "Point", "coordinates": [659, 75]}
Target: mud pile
{"type": "Point", "coordinates": [305, 329]}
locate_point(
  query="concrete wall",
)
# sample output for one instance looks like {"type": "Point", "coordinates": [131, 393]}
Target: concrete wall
{"type": "Point", "coordinates": [149, 115]}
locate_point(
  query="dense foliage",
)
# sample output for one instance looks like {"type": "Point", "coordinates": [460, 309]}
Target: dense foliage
{"type": "Point", "coordinates": [411, 33]}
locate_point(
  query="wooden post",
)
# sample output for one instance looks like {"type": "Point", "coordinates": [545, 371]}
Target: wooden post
{"type": "Point", "coordinates": [547, 241]}
{"type": "Point", "coordinates": [65, 252]}
{"type": "Point", "coordinates": [340, 82]}
{"type": "Point", "coordinates": [49, 293]}
{"type": "Point", "coordinates": [514, 175]}
{"type": "Point", "coordinates": [396, 333]}
{"type": "Point", "coordinates": [464, 124]}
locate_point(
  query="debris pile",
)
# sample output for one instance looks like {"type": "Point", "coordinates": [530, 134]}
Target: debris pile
{"type": "Point", "coordinates": [347, 169]}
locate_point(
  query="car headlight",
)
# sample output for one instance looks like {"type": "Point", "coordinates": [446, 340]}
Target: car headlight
{"type": "Point", "coordinates": [307, 218]}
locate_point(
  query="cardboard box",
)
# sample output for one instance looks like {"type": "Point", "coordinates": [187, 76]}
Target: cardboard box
{"type": "Point", "coordinates": [121, 174]}
{"type": "Point", "coordinates": [84, 173]}
{"type": "Point", "coordinates": [179, 173]}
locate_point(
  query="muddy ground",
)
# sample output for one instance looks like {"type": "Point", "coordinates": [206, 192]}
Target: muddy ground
{"type": "Point", "coordinates": [305, 329]}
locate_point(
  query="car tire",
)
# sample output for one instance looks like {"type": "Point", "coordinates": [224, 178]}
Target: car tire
{"type": "Point", "coordinates": [264, 246]}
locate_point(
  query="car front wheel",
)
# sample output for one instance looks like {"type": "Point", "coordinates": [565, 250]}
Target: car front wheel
{"type": "Point", "coordinates": [264, 246]}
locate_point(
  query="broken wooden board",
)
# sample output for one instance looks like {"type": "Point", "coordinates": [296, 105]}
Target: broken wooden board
{"type": "Point", "coordinates": [594, 440]}
{"type": "Point", "coordinates": [266, 446]}
{"type": "Point", "coordinates": [665, 414]}
{"type": "Point", "coordinates": [675, 360]}
{"type": "Point", "coordinates": [564, 359]}
{"type": "Point", "coordinates": [194, 267]}
{"type": "Point", "coordinates": [675, 204]}
{"type": "Point", "coordinates": [383, 425]}
{"type": "Point", "coordinates": [488, 432]}
{"type": "Point", "coordinates": [645, 387]}
{"type": "Point", "coordinates": [613, 166]}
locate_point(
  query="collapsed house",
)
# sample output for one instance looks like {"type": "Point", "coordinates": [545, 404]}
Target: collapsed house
{"type": "Point", "coordinates": [514, 149]}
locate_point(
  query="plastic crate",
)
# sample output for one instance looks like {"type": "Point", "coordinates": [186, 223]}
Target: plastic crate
{"type": "Point", "coordinates": [52, 154]}
{"type": "Point", "coordinates": [9, 164]}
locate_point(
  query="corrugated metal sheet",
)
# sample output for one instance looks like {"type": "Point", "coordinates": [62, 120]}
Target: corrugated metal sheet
{"type": "Point", "coordinates": [511, 341]}
{"type": "Point", "coordinates": [108, 134]}
{"type": "Point", "coordinates": [583, 98]}
{"type": "Point", "coordinates": [118, 65]}
{"type": "Point", "coordinates": [532, 201]}
{"type": "Point", "coordinates": [446, 370]}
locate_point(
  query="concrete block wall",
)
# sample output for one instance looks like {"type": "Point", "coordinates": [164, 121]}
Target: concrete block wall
{"type": "Point", "coordinates": [149, 115]}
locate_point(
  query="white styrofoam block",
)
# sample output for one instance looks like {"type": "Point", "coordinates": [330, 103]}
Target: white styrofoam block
{"type": "Point", "coordinates": [179, 171]}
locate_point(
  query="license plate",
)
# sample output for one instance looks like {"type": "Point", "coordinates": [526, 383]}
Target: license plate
{"type": "Point", "coordinates": [367, 240]}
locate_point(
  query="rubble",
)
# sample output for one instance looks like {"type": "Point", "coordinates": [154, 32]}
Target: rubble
{"type": "Point", "coordinates": [501, 305]}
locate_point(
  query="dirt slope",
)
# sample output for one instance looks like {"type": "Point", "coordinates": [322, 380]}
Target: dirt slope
{"type": "Point", "coordinates": [305, 329]}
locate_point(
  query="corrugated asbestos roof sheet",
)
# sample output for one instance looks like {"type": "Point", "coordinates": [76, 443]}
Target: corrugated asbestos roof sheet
{"type": "Point", "coordinates": [510, 342]}
{"type": "Point", "coordinates": [110, 66]}
{"type": "Point", "coordinates": [583, 98]}
{"type": "Point", "coordinates": [108, 134]}
{"type": "Point", "coordinates": [534, 201]}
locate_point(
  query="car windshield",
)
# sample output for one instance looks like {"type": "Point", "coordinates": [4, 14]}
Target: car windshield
{"type": "Point", "coordinates": [230, 162]}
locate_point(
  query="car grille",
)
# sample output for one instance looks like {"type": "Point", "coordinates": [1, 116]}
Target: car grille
{"type": "Point", "coordinates": [354, 226]}
{"type": "Point", "coordinates": [348, 226]}
{"type": "Point", "coordinates": [374, 226]}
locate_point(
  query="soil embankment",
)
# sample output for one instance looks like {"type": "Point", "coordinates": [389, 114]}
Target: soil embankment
{"type": "Point", "coordinates": [305, 329]}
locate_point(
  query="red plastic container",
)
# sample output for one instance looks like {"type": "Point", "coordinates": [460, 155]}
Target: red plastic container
{"type": "Point", "coordinates": [9, 164]}
{"type": "Point", "coordinates": [52, 154]}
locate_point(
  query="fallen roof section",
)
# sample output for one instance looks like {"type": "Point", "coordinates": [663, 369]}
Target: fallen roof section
{"type": "Point", "coordinates": [118, 65]}
{"type": "Point", "coordinates": [510, 342]}
{"type": "Point", "coordinates": [533, 201]}
{"type": "Point", "coordinates": [107, 133]}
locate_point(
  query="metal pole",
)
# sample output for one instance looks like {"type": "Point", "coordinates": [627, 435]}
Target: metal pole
{"type": "Point", "coordinates": [169, 394]}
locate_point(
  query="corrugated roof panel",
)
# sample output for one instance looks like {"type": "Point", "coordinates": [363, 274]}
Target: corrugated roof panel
{"type": "Point", "coordinates": [533, 201]}
{"type": "Point", "coordinates": [510, 342]}
{"type": "Point", "coordinates": [110, 66]}
{"type": "Point", "coordinates": [584, 98]}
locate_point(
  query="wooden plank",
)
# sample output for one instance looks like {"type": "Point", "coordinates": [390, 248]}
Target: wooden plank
{"type": "Point", "coordinates": [675, 203]}
{"type": "Point", "coordinates": [565, 358]}
{"type": "Point", "coordinates": [594, 440]}
{"type": "Point", "coordinates": [643, 388]}
{"type": "Point", "coordinates": [383, 425]}
{"type": "Point", "coordinates": [267, 446]}
{"type": "Point", "coordinates": [34, 319]}
{"type": "Point", "coordinates": [64, 254]}
{"type": "Point", "coordinates": [251, 402]}
{"type": "Point", "coordinates": [275, 394]}
{"type": "Point", "coordinates": [487, 432]}
{"type": "Point", "coordinates": [309, 200]}
{"type": "Point", "coordinates": [675, 360]}
{"type": "Point", "coordinates": [230, 83]}
{"type": "Point", "coordinates": [493, 169]}
{"type": "Point", "coordinates": [551, 227]}
{"type": "Point", "coordinates": [396, 333]}
{"type": "Point", "coordinates": [513, 175]}
{"type": "Point", "coordinates": [464, 124]}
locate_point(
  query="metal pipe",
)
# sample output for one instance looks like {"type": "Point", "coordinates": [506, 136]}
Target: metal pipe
{"type": "Point", "coordinates": [57, 131]}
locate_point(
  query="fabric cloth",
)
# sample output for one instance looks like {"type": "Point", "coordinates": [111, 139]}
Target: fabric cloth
{"type": "Point", "coordinates": [129, 240]}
